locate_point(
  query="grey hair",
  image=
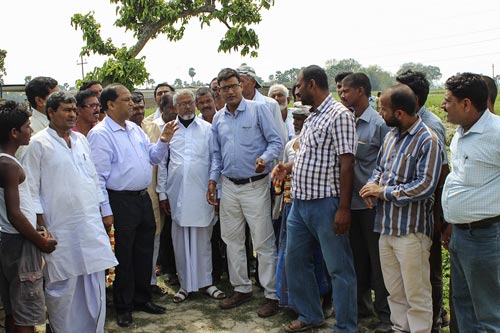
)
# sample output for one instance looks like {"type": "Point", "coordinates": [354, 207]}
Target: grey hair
{"type": "Point", "coordinates": [183, 92]}
{"type": "Point", "coordinates": [278, 86]}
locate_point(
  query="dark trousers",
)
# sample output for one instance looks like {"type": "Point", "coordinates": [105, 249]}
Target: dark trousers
{"type": "Point", "coordinates": [134, 235]}
{"type": "Point", "coordinates": [364, 245]}
{"type": "Point", "coordinates": [166, 255]}
{"type": "Point", "coordinates": [219, 260]}
{"type": "Point", "coordinates": [436, 266]}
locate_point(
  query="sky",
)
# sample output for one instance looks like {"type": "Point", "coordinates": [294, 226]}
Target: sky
{"type": "Point", "coordinates": [455, 35]}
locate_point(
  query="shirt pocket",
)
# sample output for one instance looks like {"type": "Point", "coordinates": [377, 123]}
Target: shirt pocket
{"type": "Point", "coordinates": [315, 137]}
{"type": "Point", "coordinates": [248, 133]}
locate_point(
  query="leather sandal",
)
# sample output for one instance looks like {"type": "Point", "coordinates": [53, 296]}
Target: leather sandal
{"type": "Point", "coordinates": [180, 296]}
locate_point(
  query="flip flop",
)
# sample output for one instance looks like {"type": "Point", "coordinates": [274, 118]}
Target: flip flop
{"type": "Point", "coordinates": [214, 292]}
{"type": "Point", "coordinates": [298, 326]}
{"type": "Point", "coordinates": [180, 296]}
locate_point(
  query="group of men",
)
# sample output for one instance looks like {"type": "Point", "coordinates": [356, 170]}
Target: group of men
{"type": "Point", "coordinates": [366, 189]}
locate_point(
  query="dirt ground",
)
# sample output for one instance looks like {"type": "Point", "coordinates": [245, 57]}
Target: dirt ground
{"type": "Point", "coordinates": [199, 313]}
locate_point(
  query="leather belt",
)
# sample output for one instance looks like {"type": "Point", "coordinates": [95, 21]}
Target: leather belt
{"type": "Point", "coordinates": [131, 193]}
{"type": "Point", "coordinates": [479, 224]}
{"type": "Point", "coordinates": [243, 181]}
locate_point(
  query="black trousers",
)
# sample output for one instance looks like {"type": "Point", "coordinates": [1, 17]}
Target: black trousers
{"type": "Point", "coordinates": [166, 256]}
{"type": "Point", "coordinates": [134, 235]}
{"type": "Point", "coordinates": [364, 245]}
{"type": "Point", "coordinates": [436, 267]}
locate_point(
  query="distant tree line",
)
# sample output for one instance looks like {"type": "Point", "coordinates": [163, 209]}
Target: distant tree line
{"type": "Point", "coordinates": [380, 78]}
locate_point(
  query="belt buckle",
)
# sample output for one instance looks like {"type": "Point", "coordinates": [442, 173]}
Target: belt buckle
{"type": "Point", "coordinates": [143, 192]}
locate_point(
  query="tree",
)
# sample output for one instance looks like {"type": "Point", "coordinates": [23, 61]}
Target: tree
{"type": "Point", "coordinates": [178, 83]}
{"type": "Point", "coordinates": [192, 73]}
{"type": "Point", "coordinates": [27, 79]}
{"type": "Point", "coordinates": [433, 73]}
{"type": "Point", "coordinates": [379, 78]}
{"type": "Point", "coordinates": [334, 67]}
{"type": "Point", "coordinates": [3, 55]}
{"type": "Point", "coordinates": [148, 19]}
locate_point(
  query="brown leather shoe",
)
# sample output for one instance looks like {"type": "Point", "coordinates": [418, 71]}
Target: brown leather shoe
{"type": "Point", "coordinates": [235, 300]}
{"type": "Point", "coordinates": [269, 308]}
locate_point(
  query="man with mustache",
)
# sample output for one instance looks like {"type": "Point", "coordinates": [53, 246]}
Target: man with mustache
{"type": "Point", "coordinates": [65, 189]}
{"type": "Point", "coordinates": [245, 142]}
{"type": "Point", "coordinates": [88, 108]}
{"type": "Point", "coordinates": [279, 93]}
{"type": "Point", "coordinates": [205, 102]}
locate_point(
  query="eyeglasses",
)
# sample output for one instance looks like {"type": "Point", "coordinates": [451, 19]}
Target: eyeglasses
{"type": "Point", "coordinates": [92, 106]}
{"type": "Point", "coordinates": [231, 86]}
{"type": "Point", "coordinates": [184, 104]}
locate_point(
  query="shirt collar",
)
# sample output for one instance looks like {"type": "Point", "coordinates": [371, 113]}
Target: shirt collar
{"type": "Point", "coordinates": [323, 106]}
{"type": "Point", "coordinates": [479, 126]}
{"type": "Point", "coordinates": [115, 127]}
{"type": "Point", "coordinates": [241, 107]}
{"type": "Point", "coordinates": [368, 114]}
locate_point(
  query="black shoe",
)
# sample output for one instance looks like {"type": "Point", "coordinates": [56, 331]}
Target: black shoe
{"type": "Point", "coordinates": [155, 289]}
{"type": "Point", "coordinates": [150, 307]}
{"type": "Point", "coordinates": [124, 319]}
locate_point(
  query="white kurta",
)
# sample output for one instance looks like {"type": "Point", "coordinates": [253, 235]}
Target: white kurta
{"type": "Point", "coordinates": [65, 189]}
{"type": "Point", "coordinates": [186, 187]}
{"type": "Point", "coordinates": [188, 175]}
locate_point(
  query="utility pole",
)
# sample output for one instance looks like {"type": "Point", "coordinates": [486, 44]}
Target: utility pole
{"type": "Point", "coordinates": [82, 62]}
{"type": "Point", "coordinates": [493, 71]}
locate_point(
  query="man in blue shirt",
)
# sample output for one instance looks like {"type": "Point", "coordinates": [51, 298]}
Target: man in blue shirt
{"type": "Point", "coordinates": [470, 204]}
{"type": "Point", "coordinates": [245, 142]}
{"type": "Point", "coordinates": [124, 159]}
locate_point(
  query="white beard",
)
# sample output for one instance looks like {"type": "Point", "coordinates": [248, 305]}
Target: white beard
{"type": "Point", "coordinates": [187, 116]}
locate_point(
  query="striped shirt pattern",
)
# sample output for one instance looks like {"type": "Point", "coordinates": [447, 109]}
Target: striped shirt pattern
{"type": "Point", "coordinates": [408, 167]}
{"type": "Point", "coordinates": [328, 132]}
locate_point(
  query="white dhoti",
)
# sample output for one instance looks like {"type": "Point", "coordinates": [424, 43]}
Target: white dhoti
{"type": "Point", "coordinates": [77, 304]}
{"type": "Point", "coordinates": [193, 256]}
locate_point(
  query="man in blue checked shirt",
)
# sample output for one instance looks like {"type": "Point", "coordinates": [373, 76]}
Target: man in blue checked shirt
{"type": "Point", "coordinates": [404, 181]}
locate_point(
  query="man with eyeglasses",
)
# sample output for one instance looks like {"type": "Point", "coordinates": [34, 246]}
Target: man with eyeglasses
{"type": "Point", "coordinates": [124, 158]}
{"type": "Point", "coordinates": [245, 142]}
{"type": "Point", "coordinates": [88, 108]}
{"type": "Point", "coordinates": [65, 189]}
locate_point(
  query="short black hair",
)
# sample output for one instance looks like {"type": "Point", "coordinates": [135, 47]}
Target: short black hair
{"type": "Point", "coordinates": [87, 84]}
{"type": "Point", "coordinates": [40, 86]}
{"type": "Point", "coordinates": [402, 98]}
{"type": "Point", "coordinates": [163, 84]}
{"type": "Point", "coordinates": [167, 99]}
{"type": "Point", "coordinates": [12, 115]}
{"type": "Point", "coordinates": [316, 73]}
{"type": "Point", "coordinates": [340, 76]}
{"type": "Point", "coordinates": [359, 80]}
{"type": "Point", "coordinates": [293, 91]}
{"type": "Point", "coordinates": [57, 98]}
{"type": "Point", "coordinates": [492, 88]}
{"type": "Point", "coordinates": [418, 83]}
{"type": "Point", "coordinates": [109, 94]}
{"type": "Point", "coordinates": [82, 96]}
{"type": "Point", "coordinates": [226, 74]}
{"type": "Point", "coordinates": [471, 86]}
{"type": "Point", "coordinates": [137, 97]}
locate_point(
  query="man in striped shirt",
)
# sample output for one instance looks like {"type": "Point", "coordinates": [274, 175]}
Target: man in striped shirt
{"type": "Point", "coordinates": [407, 172]}
{"type": "Point", "coordinates": [322, 182]}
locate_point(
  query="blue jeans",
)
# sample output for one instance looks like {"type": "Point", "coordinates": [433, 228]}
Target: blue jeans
{"type": "Point", "coordinates": [311, 222]}
{"type": "Point", "coordinates": [475, 274]}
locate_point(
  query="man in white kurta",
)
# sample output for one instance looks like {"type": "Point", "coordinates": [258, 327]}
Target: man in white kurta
{"type": "Point", "coordinates": [187, 176]}
{"type": "Point", "coordinates": [65, 188]}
